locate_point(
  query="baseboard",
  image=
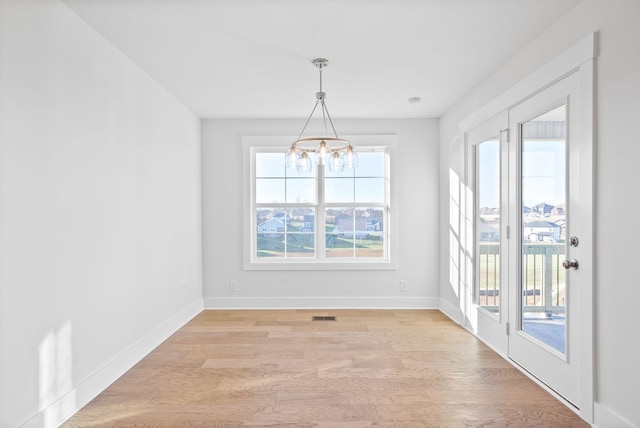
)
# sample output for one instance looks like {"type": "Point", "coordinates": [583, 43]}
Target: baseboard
{"type": "Point", "coordinates": [66, 406]}
{"type": "Point", "coordinates": [321, 303]}
{"type": "Point", "coordinates": [604, 417]}
{"type": "Point", "coordinates": [451, 311]}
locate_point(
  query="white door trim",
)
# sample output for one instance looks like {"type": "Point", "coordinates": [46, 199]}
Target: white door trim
{"type": "Point", "coordinates": [567, 62]}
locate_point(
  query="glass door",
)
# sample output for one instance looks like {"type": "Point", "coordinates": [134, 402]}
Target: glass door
{"type": "Point", "coordinates": [544, 307]}
{"type": "Point", "coordinates": [486, 168]}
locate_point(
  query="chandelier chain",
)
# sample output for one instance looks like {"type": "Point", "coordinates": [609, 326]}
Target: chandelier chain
{"type": "Point", "coordinates": [308, 119]}
{"type": "Point", "coordinates": [324, 117]}
{"type": "Point", "coordinates": [330, 121]}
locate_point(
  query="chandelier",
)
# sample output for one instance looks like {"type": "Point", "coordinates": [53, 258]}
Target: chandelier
{"type": "Point", "coordinates": [335, 151]}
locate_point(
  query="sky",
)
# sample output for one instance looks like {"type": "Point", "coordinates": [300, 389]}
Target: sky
{"type": "Point", "coordinates": [543, 178]}
{"type": "Point", "coordinates": [277, 184]}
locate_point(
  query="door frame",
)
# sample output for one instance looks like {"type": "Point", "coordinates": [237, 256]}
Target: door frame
{"type": "Point", "coordinates": [489, 327]}
{"type": "Point", "coordinates": [580, 59]}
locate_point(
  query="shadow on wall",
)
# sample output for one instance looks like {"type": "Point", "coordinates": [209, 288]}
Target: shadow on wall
{"type": "Point", "coordinates": [461, 244]}
{"type": "Point", "coordinates": [454, 233]}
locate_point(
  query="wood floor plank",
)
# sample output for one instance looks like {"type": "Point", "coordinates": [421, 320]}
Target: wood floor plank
{"type": "Point", "coordinates": [368, 369]}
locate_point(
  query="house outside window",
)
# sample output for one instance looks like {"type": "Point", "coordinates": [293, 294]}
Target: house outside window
{"type": "Point", "coordinates": [298, 220]}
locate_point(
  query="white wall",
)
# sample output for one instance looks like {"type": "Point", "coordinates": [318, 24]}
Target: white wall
{"type": "Point", "coordinates": [617, 293]}
{"type": "Point", "coordinates": [99, 213]}
{"type": "Point", "coordinates": [223, 224]}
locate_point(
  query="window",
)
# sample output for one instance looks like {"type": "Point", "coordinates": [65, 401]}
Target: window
{"type": "Point", "coordinates": [322, 217]}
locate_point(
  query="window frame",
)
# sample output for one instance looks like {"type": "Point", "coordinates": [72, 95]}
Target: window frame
{"type": "Point", "coordinates": [254, 144]}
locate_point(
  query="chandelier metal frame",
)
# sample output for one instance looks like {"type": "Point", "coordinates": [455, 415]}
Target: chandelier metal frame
{"type": "Point", "coordinates": [337, 151]}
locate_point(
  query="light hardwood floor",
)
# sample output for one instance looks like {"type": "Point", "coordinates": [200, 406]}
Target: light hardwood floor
{"type": "Point", "coordinates": [370, 368]}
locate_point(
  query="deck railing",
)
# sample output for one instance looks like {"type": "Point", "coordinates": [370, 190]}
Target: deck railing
{"type": "Point", "coordinates": [543, 277]}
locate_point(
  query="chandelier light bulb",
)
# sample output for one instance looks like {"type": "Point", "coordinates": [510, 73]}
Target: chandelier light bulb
{"type": "Point", "coordinates": [336, 162]}
{"type": "Point", "coordinates": [351, 158]}
{"type": "Point", "coordinates": [292, 157]}
{"type": "Point", "coordinates": [322, 151]}
{"type": "Point", "coordinates": [303, 163]}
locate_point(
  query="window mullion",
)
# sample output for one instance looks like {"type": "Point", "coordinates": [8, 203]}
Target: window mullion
{"type": "Point", "coordinates": [286, 217]}
{"type": "Point", "coordinates": [320, 215]}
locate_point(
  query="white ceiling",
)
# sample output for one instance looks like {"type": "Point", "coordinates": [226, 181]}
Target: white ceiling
{"type": "Point", "coordinates": [252, 58]}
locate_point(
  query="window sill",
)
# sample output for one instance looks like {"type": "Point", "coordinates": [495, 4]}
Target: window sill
{"type": "Point", "coordinates": [320, 266]}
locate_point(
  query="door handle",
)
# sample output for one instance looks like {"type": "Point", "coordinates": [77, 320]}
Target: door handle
{"type": "Point", "coordinates": [570, 264]}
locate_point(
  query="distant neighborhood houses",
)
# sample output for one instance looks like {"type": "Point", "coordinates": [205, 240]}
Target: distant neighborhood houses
{"type": "Point", "coordinates": [489, 231]}
{"type": "Point", "coordinates": [545, 210]}
{"type": "Point", "coordinates": [273, 225]}
{"type": "Point", "coordinates": [309, 223]}
{"type": "Point", "coordinates": [541, 231]}
{"type": "Point", "coordinates": [541, 223]}
{"type": "Point", "coordinates": [484, 211]}
{"type": "Point", "coordinates": [346, 226]}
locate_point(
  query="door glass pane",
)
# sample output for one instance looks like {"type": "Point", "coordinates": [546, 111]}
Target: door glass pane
{"type": "Point", "coordinates": [544, 225]}
{"type": "Point", "coordinates": [488, 224]}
